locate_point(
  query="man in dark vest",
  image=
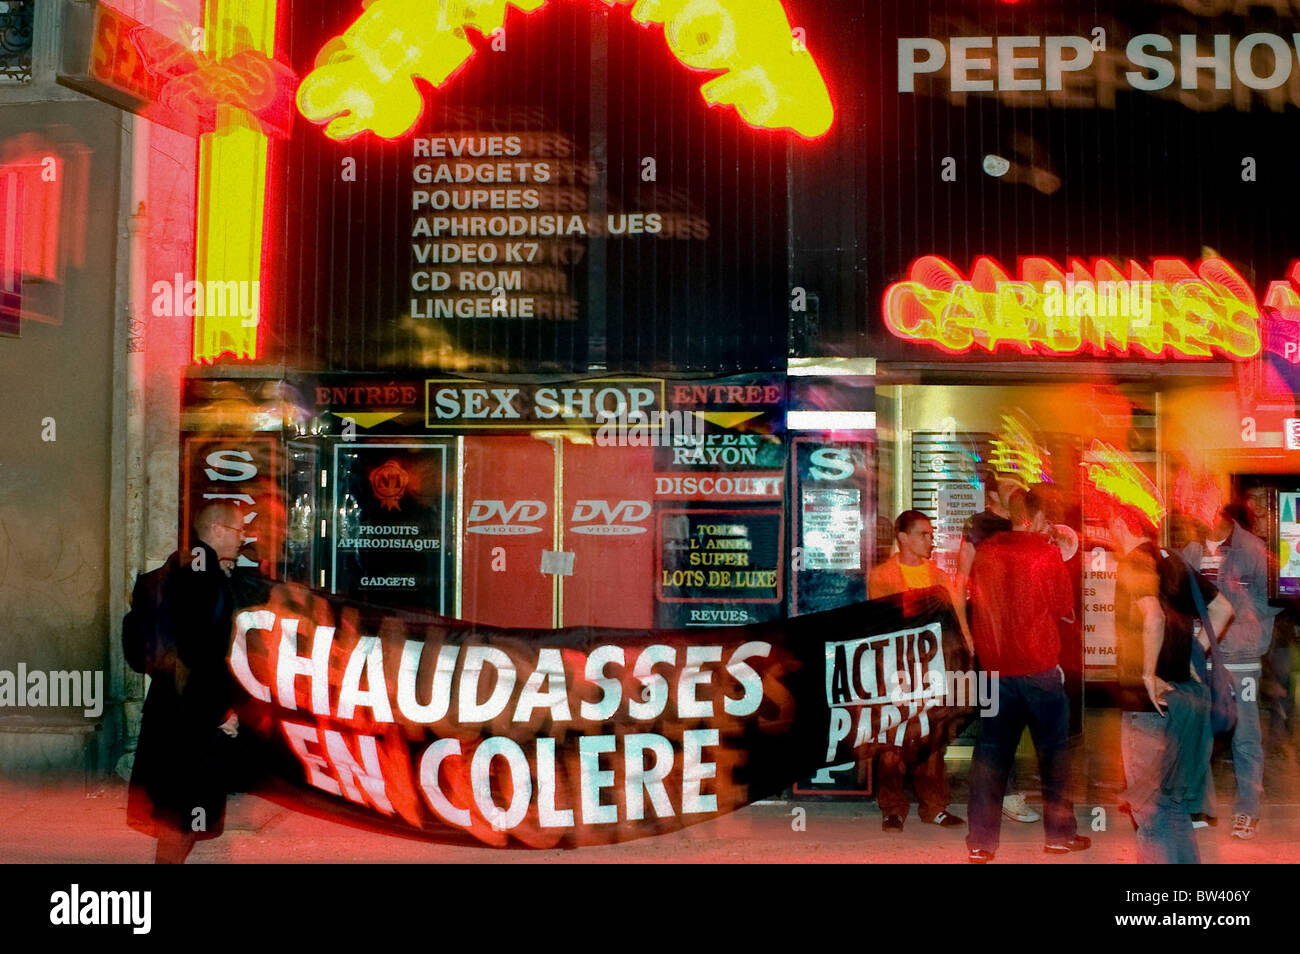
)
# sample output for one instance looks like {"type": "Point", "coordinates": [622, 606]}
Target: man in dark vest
{"type": "Point", "coordinates": [178, 782]}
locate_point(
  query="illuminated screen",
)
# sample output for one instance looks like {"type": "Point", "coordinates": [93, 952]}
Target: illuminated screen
{"type": "Point", "coordinates": [1288, 543]}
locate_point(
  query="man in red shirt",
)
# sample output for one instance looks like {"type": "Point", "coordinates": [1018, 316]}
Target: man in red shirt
{"type": "Point", "coordinates": [1019, 591]}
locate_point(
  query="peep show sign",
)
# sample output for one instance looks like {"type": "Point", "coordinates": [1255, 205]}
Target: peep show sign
{"type": "Point", "coordinates": [575, 737]}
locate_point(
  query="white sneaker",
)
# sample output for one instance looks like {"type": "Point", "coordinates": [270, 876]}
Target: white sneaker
{"type": "Point", "coordinates": [1244, 827]}
{"type": "Point", "coordinates": [1014, 807]}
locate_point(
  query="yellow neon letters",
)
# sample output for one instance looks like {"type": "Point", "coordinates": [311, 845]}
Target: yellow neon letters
{"type": "Point", "coordinates": [1014, 454]}
{"type": "Point", "coordinates": [771, 79]}
{"type": "Point", "coordinates": [364, 79]}
{"type": "Point", "coordinates": [1119, 477]}
{"type": "Point", "coordinates": [1172, 310]}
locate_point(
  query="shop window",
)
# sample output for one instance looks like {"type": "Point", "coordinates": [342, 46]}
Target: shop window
{"type": "Point", "coordinates": [11, 251]}
{"type": "Point", "coordinates": [47, 181]}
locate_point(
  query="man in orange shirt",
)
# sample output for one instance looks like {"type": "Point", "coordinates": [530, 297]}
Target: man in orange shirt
{"type": "Point", "coordinates": [912, 569]}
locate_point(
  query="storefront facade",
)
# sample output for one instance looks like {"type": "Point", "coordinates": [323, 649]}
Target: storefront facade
{"type": "Point", "coordinates": [958, 281]}
{"type": "Point", "coordinates": [573, 332]}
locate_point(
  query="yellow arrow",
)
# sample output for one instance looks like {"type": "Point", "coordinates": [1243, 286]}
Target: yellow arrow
{"type": "Point", "coordinates": [367, 420]}
{"type": "Point", "coordinates": [727, 418]}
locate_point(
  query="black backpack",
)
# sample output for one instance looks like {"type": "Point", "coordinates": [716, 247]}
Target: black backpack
{"type": "Point", "coordinates": [147, 641]}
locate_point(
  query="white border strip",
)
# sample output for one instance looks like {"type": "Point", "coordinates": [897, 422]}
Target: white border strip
{"type": "Point", "coordinates": [831, 367]}
{"type": "Point", "coordinates": [830, 420]}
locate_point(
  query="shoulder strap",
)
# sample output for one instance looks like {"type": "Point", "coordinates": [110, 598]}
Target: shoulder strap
{"type": "Point", "coordinates": [1199, 599]}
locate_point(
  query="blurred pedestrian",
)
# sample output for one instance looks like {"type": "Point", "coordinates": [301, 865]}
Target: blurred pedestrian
{"type": "Point", "coordinates": [1235, 560]}
{"type": "Point", "coordinates": [994, 518]}
{"type": "Point", "coordinates": [183, 762]}
{"type": "Point", "coordinates": [1019, 591]}
{"type": "Point", "coordinates": [1165, 727]}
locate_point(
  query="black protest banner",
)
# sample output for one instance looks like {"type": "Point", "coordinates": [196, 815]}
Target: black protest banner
{"type": "Point", "coordinates": [565, 738]}
{"type": "Point", "coordinates": [909, 681]}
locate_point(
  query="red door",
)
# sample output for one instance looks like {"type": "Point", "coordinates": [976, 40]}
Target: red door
{"type": "Point", "coordinates": [608, 527]}
{"type": "Point", "coordinates": [508, 520]}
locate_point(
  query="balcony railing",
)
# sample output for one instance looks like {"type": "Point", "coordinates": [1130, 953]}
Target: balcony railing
{"type": "Point", "coordinates": [16, 40]}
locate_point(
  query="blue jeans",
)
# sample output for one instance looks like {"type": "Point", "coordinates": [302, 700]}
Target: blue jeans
{"type": "Point", "coordinates": [1281, 707]}
{"type": "Point", "coordinates": [1164, 767]}
{"type": "Point", "coordinates": [1247, 750]}
{"type": "Point", "coordinates": [1039, 702]}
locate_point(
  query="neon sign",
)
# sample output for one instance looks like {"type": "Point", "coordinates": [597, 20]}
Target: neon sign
{"type": "Point", "coordinates": [1284, 329]}
{"type": "Point", "coordinates": [188, 88]}
{"type": "Point", "coordinates": [233, 164]}
{"type": "Point", "coordinates": [1117, 476]}
{"type": "Point", "coordinates": [1014, 454]}
{"type": "Point", "coordinates": [365, 79]}
{"type": "Point", "coordinates": [1171, 311]}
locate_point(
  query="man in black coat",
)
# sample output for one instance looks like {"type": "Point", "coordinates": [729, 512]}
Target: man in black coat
{"type": "Point", "coordinates": [182, 763]}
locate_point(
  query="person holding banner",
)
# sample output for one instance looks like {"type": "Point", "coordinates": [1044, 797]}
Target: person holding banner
{"type": "Point", "coordinates": [183, 760]}
{"type": "Point", "coordinates": [909, 569]}
{"type": "Point", "coordinates": [1019, 591]}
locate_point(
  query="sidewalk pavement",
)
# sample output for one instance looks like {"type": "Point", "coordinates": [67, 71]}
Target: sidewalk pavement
{"type": "Point", "coordinates": [64, 822]}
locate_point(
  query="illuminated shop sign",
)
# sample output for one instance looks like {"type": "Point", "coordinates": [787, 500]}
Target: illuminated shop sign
{"type": "Point", "coordinates": [231, 197]}
{"type": "Point", "coordinates": [1200, 71]}
{"type": "Point", "coordinates": [458, 404]}
{"type": "Point", "coordinates": [1283, 300]}
{"type": "Point", "coordinates": [179, 84]}
{"type": "Point", "coordinates": [243, 470]}
{"type": "Point", "coordinates": [11, 253]}
{"type": "Point", "coordinates": [365, 78]}
{"type": "Point", "coordinates": [1014, 454]}
{"type": "Point", "coordinates": [1172, 310]}
{"type": "Point", "coordinates": [1291, 433]}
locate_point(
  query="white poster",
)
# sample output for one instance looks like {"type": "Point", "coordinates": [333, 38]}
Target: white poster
{"type": "Point", "coordinates": [832, 529]}
{"type": "Point", "coordinates": [954, 504]}
{"type": "Point", "coordinates": [1099, 608]}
